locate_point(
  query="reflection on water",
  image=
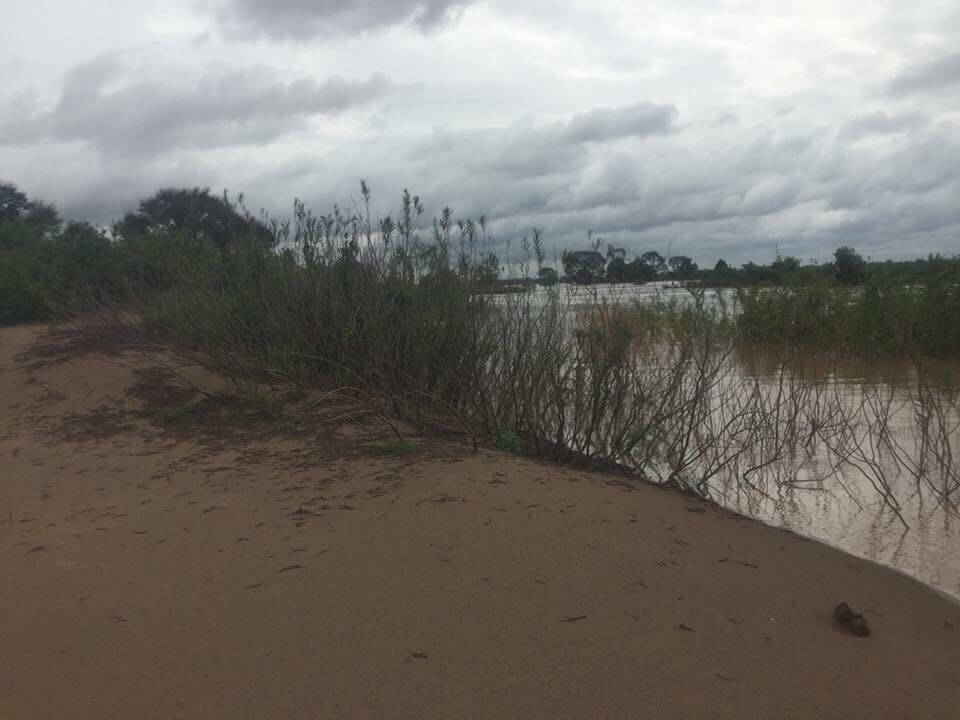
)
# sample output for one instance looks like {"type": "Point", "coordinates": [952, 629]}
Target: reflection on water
{"type": "Point", "coordinates": [622, 293]}
{"type": "Point", "coordinates": [846, 510]}
{"type": "Point", "coordinates": [899, 372]}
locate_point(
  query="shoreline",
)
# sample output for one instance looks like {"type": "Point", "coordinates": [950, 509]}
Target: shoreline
{"type": "Point", "coordinates": [190, 571]}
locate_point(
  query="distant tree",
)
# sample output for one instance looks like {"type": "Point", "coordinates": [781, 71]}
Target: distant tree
{"type": "Point", "coordinates": [548, 276]}
{"type": "Point", "coordinates": [616, 270]}
{"type": "Point", "coordinates": [655, 260]}
{"type": "Point", "coordinates": [787, 264]}
{"type": "Point", "coordinates": [584, 266]}
{"type": "Point", "coordinates": [682, 267]}
{"type": "Point", "coordinates": [752, 274]}
{"type": "Point", "coordinates": [783, 267]}
{"type": "Point", "coordinates": [639, 271]}
{"type": "Point", "coordinates": [195, 211]}
{"type": "Point", "coordinates": [614, 253]}
{"type": "Point", "coordinates": [13, 203]}
{"type": "Point", "coordinates": [722, 274]}
{"type": "Point", "coordinates": [15, 206]}
{"type": "Point", "coordinates": [849, 268]}
{"type": "Point", "coordinates": [43, 215]}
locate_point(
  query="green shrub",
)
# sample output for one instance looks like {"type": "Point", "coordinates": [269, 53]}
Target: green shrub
{"type": "Point", "coordinates": [392, 448]}
{"type": "Point", "coordinates": [882, 316]}
{"type": "Point", "coordinates": [508, 441]}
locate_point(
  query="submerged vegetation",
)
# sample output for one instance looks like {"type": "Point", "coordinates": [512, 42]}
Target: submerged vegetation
{"type": "Point", "coordinates": [879, 317]}
{"type": "Point", "coordinates": [405, 322]}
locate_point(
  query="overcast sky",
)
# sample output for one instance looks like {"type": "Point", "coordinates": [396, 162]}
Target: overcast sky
{"type": "Point", "coordinates": [724, 128]}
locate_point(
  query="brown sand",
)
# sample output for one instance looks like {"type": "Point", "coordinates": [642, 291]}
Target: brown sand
{"type": "Point", "coordinates": [149, 573]}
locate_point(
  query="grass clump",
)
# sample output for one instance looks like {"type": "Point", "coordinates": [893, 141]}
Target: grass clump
{"type": "Point", "coordinates": [508, 441]}
{"type": "Point", "coordinates": [184, 414]}
{"type": "Point", "coordinates": [392, 448]}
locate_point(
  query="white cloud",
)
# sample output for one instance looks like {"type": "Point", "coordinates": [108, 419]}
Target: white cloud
{"type": "Point", "coordinates": [151, 109]}
{"type": "Point", "coordinates": [722, 127]}
{"type": "Point", "coordinates": [305, 20]}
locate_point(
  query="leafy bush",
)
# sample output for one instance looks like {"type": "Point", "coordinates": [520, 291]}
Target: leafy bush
{"type": "Point", "coordinates": [44, 274]}
{"type": "Point", "coordinates": [508, 441]}
{"type": "Point", "coordinates": [881, 317]}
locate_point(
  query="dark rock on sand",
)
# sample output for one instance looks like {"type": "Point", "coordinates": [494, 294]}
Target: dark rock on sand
{"type": "Point", "coordinates": [855, 622]}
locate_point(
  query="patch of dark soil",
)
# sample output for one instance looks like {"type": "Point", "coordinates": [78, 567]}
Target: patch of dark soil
{"type": "Point", "coordinates": [162, 403]}
{"type": "Point", "coordinates": [98, 424]}
{"type": "Point", "coordinates": [156, 388]}
{"type": "Point", "coordinates": [60, 346]}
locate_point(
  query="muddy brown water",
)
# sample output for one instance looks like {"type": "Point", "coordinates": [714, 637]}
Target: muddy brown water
{"type": "Point", "coordinates": [845, 510]}
{"type": "Point", "coordinates": [921, 538]}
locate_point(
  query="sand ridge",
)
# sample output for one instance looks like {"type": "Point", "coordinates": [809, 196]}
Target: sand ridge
{"type": "Point", "coordinates": [158, 572]}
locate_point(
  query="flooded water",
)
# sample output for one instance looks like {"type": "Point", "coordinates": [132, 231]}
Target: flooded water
{"type": "Point", "coordinates": [882, 479]}
{"type": "Point", "coordinates": [922, 539]}
{"type": "Point", "coordinates": [624, 293]}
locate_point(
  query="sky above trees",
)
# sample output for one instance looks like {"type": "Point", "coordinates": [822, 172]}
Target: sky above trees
{"type": "Point", "coordinates": [715, 129]}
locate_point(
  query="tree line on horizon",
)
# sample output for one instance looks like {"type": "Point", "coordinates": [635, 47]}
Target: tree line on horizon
{"type": "Point", "coordinates": [43, 257]}
{"type": "Point", "coordinates": [848, 267]}
{"type": "Point", "coordinates": [46, 261]}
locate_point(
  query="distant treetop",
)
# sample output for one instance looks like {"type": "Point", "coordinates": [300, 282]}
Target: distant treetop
{"type": "Point", "coordinates": [197, 211]}
{"type": "Point", "coordinates": [15, 206]}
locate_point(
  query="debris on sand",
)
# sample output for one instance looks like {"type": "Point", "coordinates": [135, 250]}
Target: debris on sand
{"type": "Point", "coordinates": [855, 622]}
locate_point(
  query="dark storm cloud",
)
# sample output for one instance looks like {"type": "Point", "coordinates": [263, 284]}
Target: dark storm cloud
{"type": "Point", "coordinates": [308, 19]}
{"type": "Point", "coordinates": [797, 190]}
{"type": "Point", "coordinates": [927, 76]}
{"type": "Point", "coordinates": [880, 123]}
{"type": "Point", "coordinates": [638, 120]}
{"type": "Point", "coordinates": [522, 176]}
{"type": "Point", "coordinates": [118, 111]}
{"type": "Point", "coordinates": [805, 193]}
{"type": "Point", "coordinates": [529, 113]}
{"type": "Point", "coordinates": [530, 151]}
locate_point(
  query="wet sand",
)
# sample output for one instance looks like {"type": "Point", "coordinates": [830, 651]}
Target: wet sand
{"type": "Point", "coordinates": [150, 571]}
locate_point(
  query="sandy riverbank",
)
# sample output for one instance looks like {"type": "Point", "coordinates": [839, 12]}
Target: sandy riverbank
{"type": "Point", "coordinates": [151, 571]}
